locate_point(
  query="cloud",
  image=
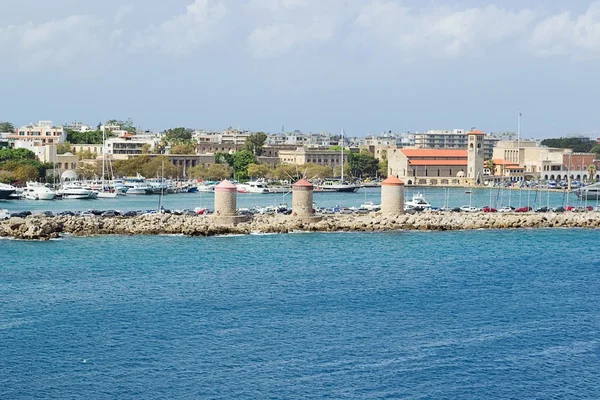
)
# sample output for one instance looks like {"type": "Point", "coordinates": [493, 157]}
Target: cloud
{"type": "Point", "coordinates": [443, 32]}
{"type": "Point", "coordinates": [289, 25]}
{"type": "Point", "coordinates": [123, 12]}
{"type": "Point", "coordinates": [577, 37]}
{"type": "Point", "coordinates": [53, 43]}
{"type": "Point", "coordinates": [183, 33]}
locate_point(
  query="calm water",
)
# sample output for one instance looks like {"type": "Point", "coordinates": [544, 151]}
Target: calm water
{"type": "Point", "coordinates": [448, 315]}
{"type": "Point", "coordinates": [436, 196]}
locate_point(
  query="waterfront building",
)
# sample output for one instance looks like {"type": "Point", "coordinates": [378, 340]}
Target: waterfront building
{"type": "Point", "coordinates": [537, 161]}
{"type": "Point", "coordinates": [318, 156]}
{"type": "Point", "coordinates": [450, 139]}
{"type": "Point", "coordinates": [128, 145]}
{"type": "Point", "coordinates": [43, 132]}
{"type": "Point", "coordinates": [439, 166]}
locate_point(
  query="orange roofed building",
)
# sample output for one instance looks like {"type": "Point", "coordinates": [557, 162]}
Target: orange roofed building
{"type": "Point", "coordinates": [439, 166]}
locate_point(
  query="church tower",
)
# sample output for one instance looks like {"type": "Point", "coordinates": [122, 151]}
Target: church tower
{"type": "Point", "coordinates": [475, 156]}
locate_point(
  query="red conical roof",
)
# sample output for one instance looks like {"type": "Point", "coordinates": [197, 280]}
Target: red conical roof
{"type": "Point", "coordinates": [303, 183]}
{"type": "Point", "coordinates": [392, 180]}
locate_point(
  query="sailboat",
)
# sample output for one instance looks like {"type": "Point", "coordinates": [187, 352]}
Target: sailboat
{"type": "Point", "coordinates": [341, 185]}
{"type": "Point", "coordinates": [104, 193]}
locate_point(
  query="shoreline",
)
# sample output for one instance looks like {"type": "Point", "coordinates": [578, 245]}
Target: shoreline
{"type": "Point", "coordinates": [46, 228]}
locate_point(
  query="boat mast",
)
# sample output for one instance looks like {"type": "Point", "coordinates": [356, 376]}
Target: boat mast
{"type": "Point", "coordinates": [103, 156]}
{"type": "Point", "coordinates": [342, 154]}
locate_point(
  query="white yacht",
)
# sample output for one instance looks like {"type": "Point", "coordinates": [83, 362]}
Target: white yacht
{"type": "Point", "coordinates": [37, 191]}
{"type": "Point", "coordinates": [590, 192]}
{"type": "Point", "coordinates": [137, 185]}
{"type": "Point", "coordinates": [417, 202]}
{"type": "Point", "coordinates": [252, 187]}
{"type": "Point", "coordinates": [75, 190]}
{"type": "Point", "coordinates": [336, 186]}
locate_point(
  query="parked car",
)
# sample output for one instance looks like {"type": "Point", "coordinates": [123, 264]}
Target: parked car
{"type": "Point", "coordinates": [489, 209]}
{"type": "Point", "coordinates": [542, 209]}
{"type": "Point", "coordinates": [111, 213]}
{"type": "Point", "coordinates": [523, 209]}
{"type": "Point", "coordinates": [130, 214]}
{"type": "Point", "coordinates": [68, 213]}
{"type": "Point", "coordinates": [469, 209]}
{"type": "Point", "coordinates": [559, 209]}
{"type": "Point", "coordinates": [506, 209]}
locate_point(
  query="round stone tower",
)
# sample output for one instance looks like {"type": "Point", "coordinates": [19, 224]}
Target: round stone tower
{"type": "Point", "coordinates": [225, 199]}
{"type": "Point", "coordinates": [302, 199]}
{"type": "Point", "coordinates": [392, 196]}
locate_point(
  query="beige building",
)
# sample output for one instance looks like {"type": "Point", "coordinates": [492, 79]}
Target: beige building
{"type": "Point", "coordinates": [128, 145]}
{"type": "Point", "coordinates": [305, 155]}
{"type": "Point", "coordinates": [536, 161]}
{"type": "Point", "coordinates": [43, 132]}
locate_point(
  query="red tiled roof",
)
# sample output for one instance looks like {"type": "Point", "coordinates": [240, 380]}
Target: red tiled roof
{"type": "Point", "coordinates": [434, 153]}
{"type": "Point", "coordinates": [476, 132]}
{"type": "Point", "coordinates": [438, 162]}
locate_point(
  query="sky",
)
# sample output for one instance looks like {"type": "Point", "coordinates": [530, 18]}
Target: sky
{"type": "Point", "coordinates": [366, 66]}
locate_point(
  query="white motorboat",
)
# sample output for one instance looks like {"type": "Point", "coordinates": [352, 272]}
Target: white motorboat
{"type": "Point", "coordinates": [336, 186]}
{"type": "Point", "coordinates": [590, 192]}
{"type": "Point", "coordinates": [6, 191]}
{"type": "Point", "coordinates": [37, 191]}
{"type": "Point", "coordinates": [252, 187]}
{"type": "Point", "coordinates": [75, 190]}
{"type": "Point", "coordinates": [417, 202]}
{"type": "Point", "coordinates": [137, 185]}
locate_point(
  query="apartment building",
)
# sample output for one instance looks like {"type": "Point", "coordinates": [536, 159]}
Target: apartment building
{"type": "Point", "coordinates": [43, 132]}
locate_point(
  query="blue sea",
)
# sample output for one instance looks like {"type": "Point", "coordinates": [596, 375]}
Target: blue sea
{"type": "Point", "coordinates": [397, 315]}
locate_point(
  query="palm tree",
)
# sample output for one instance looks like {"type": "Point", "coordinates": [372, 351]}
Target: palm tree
{"type": "Point", "coordinates": [491, 165]}
{"type": "Point", "coordinates": [592, 172]}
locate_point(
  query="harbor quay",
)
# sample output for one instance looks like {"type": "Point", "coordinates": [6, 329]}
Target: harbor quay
{"type": "Point", "coordinates": [45, 228]}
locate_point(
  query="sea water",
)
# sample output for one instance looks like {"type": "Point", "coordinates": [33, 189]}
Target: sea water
{"type": "Point", "coordinates": [437, 196]}
{"type": "Point", "coordinates": [411, 315]}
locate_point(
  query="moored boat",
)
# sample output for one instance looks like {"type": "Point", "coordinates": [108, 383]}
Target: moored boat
{"type": "Point", "coordinates": [6, 191]}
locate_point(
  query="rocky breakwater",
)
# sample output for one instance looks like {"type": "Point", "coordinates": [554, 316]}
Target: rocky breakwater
{"type": "Point", "coordinates": [43, 228]}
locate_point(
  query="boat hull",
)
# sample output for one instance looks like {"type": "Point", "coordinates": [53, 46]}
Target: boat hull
{"type": "Point", "coordinates": [6, 193]}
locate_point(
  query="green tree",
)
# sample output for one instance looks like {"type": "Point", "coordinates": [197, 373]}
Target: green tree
{"type": "Point", "coordinates": [383, 168]}
{"type": "Point", "coordinates": [240, 162]}
{"type": "Point", "coordinates": [146, 148]}
{"type": "Point", "coordinates": [577, 144]}
{"type": "Point", "coordinates": [491, 165]}
{"type": "Point", "coordinates": [6, 127]}
{"type": "Point", "coordinates": [596, 150]}
{"type": "Point", "coordinates": [87, 171]}
{"type": "Point", "coordinates": [315, 171]}
{"type": "Point", "coordinates": [178, 135]}
{"type": "Point", "coordinates": [127, 125]}
{"type": "Point", "coordinates": [25, 173]}
{"type": "Point", "coordinates": [258, 170]}
{"type": "Point", "coordinates": [219, 172]}
{"type": "Point", "coordinates": [255, 142]}
{"type": "Point", "coordinates": [89, 137]}
{"type": "Point", "coordinates": [224, 158]}
{"type": "Point", "coordinates": [183, 148]}
{"type": "Point", "coordinates": [363, 164]}
{"type": "Point", "coordinates": [87, 155]}
{"type": "Point", "coordinates": [63, 148]}
{"type": "Point", "coordinates": [7, 176]}
{"type": "Point", "coordinates": [337, 171]}
{"type": "Point", "coordinates": [287, 172]}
